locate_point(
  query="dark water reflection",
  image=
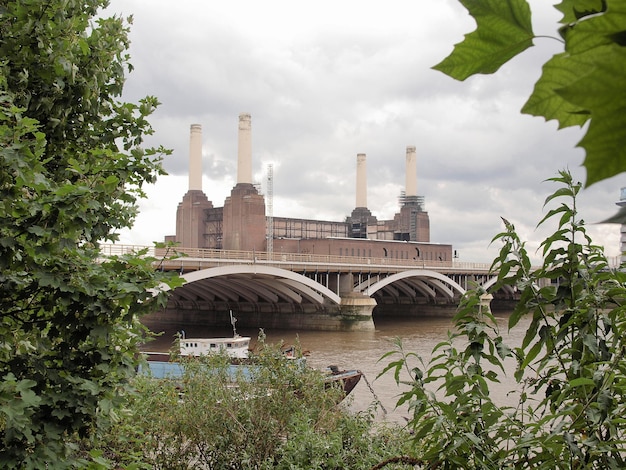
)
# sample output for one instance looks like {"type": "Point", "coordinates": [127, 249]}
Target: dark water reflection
{"type": "Point", "coordinates": [363, 350]}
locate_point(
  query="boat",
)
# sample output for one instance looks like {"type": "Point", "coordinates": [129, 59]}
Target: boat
{"type": "Point", "coordinates": [347, 379]}
{"type": "Point", "coordinates": [163, 368]}
{"type": "Point", "coordinates": [161, 365]}
{"type": "Point", "coordinates": [236, 347]}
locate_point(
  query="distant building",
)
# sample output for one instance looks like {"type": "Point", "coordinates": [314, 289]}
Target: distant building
{"type": "Point", "coordinates": [242, 224]}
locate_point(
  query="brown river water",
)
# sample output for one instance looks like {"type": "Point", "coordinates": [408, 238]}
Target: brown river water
{"type": "Point", "coordinates": [363, 351]}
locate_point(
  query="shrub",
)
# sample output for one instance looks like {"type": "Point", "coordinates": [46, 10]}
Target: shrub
{"type": "Point", "coordinates": [570, 374]}
{"type": "Point", "coordinates": [277, 415]}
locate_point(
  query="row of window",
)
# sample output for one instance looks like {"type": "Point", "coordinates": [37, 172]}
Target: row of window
{"type": "Point", "coordinates": [397, 254]}
{"type": "Point", "coordinates": [211, 345]}
{"type": "Point", "coordinates": [308, 229]}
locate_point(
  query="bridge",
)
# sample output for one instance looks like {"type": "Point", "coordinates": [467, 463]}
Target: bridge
{"type": "Point", "coordinates": [310, 291]}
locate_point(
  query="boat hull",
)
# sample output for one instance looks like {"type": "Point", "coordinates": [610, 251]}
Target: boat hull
{"type": "Point", "coordinates": [160, 367]}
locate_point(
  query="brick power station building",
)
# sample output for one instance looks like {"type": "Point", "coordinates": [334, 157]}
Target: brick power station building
{"type": "Point", "coordinates": [242, 223]}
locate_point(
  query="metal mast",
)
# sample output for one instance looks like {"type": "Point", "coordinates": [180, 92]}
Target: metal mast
{"type": "Point", "coordinates": [270, 208]}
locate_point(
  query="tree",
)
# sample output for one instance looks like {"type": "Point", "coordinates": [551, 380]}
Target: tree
{"type": "Point", "coordinates": [584, 84]}
{"type": "Point", "coordinates": [72, 168]}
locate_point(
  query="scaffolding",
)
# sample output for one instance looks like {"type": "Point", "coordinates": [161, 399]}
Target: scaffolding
{"type": "Point", "coordinates": [412, 201]}
{"type": "Point", "coordinates": [270, 208]}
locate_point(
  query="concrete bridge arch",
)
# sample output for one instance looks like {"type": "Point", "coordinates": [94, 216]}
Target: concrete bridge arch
{"type": "Point", "coordinates": [269, 296]}
{"type": "Point", "coordinates": [252, 283]}
{"type": "Point", "coordinates": [505, 291]}
{"type": "Point", "coordinates": [415, 283]}
{"type": "Point", "coordinates": [262, 296]}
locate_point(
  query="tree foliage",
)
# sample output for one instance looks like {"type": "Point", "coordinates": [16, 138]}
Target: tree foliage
{"type": "Point", "coordinates": [566, 410]}
{"type": "Point", "coordinates": [72, 167]}
{"type": "Point", "coordinates": [584, 84]}
{"type": "Point", "coordinates": [277, 414]}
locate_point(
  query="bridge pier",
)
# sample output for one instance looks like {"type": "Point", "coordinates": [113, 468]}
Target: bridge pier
{"type": "Point", "coordinates": [355, 312]}
{"type": "Point", "coordinates": [355, 309]}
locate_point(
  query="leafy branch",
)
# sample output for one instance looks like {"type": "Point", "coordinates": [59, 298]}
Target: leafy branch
{"type": "Point", "coordinates": [570, 375]}
{"type": "Point", "coordinates": [585, 83]}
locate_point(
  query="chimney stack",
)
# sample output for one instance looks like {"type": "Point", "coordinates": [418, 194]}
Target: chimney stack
{"type": "Point", "coordinates": [195, 157]}
{"type": "Point", "coordinates": [411, 172]}
{"type": "Point", "coordinates": [244, 156]}
{"type": "Point", "coordinates": [361, 180]}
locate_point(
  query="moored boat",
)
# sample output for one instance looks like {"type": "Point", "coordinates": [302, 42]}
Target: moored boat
{"type": "Point", "coordinates": [162, 365]}
{"type": "Point", "coordinates": [348, 379]}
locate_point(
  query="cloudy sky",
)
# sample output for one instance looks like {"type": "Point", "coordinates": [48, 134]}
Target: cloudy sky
{"type": "Point", "coordinates": [327, 80]}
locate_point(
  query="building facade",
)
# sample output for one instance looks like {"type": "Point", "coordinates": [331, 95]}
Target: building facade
{"type": "Point", "coordinates": [242, 224]}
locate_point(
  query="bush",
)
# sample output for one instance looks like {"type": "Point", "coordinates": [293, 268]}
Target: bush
{"type": "Point", "coordinates": [279, 415]}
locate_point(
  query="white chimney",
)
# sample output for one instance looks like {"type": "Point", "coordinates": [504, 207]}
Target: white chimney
{"type": "Point", "coordinates": [244, 156]}
{"type": "Point", "coordinates": [195, 157]}
{"type": "Point", "coordinates": [361, 180]}
{"type": "Point", "coordinates": [411, 172]}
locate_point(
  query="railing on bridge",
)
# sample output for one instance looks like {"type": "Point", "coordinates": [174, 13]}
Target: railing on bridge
{"type": "Point", "coordinates": [200, 258]}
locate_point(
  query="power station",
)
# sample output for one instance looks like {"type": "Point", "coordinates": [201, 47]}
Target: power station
{"type": "Point", "coordinates": [246, 223]}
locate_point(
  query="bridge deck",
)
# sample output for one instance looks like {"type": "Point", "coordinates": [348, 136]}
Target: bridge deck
{"type": "Point", "coordinates": [192, 259]}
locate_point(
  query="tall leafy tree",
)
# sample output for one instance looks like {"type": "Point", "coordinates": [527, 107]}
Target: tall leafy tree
{"type": "Point", "coordinates": [72, 167]}
{"type": "Point", "coordinates": [583, 84]}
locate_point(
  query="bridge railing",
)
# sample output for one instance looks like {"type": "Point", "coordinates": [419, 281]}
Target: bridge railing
{"type": "Point", "coordinates": [198, 258]}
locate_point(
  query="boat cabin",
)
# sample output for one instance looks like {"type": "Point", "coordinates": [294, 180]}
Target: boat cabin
{"type": "Point", "coordinates": [236, 347]}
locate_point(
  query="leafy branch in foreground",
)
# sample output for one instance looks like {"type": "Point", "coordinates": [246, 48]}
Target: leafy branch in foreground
{"type": "Point", "coordinates": [72, 168]}
{"type": "Point", "coordinates": [567, 405]}
{"type": "Point", "coordinates": [584, 83]}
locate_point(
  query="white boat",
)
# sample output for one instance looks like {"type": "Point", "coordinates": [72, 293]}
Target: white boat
{"type": "Point", "coordinates": [237, 348]}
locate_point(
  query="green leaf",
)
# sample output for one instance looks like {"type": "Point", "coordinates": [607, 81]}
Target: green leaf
{"type": "Point", "coordinates": [37, 230]}
{"type": "Point", "coordinates": [573, 10]}
{"type": "Point", "coordinates": [558, 72]}
{"type": "Point", "coordinates": [554, 212]}
{"type": "Point", "coordinates": [597, 30]}
{"type": "Point", "coordinates": [504, 30]}
{"type": "Point", "coordinates": [454, 385]}
{"type": "Point", "coordinates": [580, 381]}
{"type": "Point", "coordinates": [603, 91]}
{"type": "Point", "coordinates": [531, 355]}
{"type": "Point", "coordinates": [504, 350]}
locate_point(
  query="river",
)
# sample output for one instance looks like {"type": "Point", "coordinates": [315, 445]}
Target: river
{"type": "Point", "coordinates": [363, 350]}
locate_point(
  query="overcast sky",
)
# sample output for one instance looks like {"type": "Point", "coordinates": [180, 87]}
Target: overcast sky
{"type": "Point", "coordinates": [327, 80]}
